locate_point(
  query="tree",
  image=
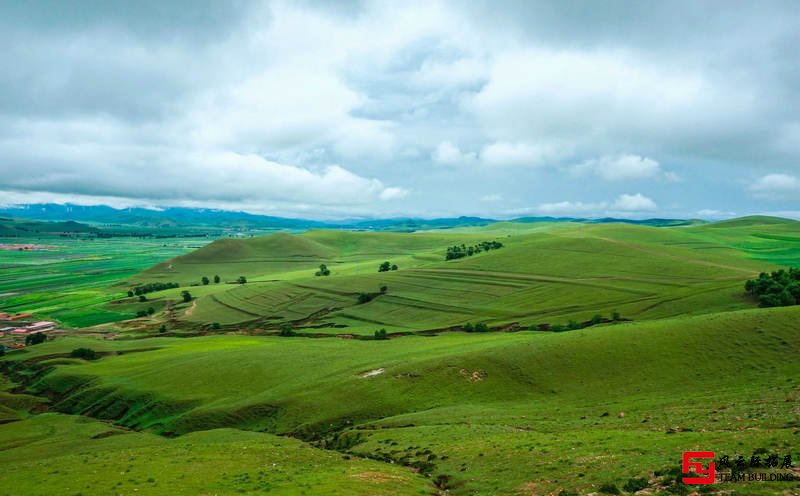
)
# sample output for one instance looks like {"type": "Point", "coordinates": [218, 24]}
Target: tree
{"type": "Point", "coordinates": [187, 296]}
{"type": "Point", "coordinates": [557, 328]}
{"type": "Point", "coordinates": [597, 319]}
{"type": "Point", "coordinates": [323, 270]}
{"type": "Point", "coordinates": [216, 279]}
{"type": "Point", "coordinates": [205, 281]}
{"type": "Point", "coordinates": [242, 280]}
{"type": "Point", "coordinates": [84, 353]}
{"type": "Point", "coordinates": [142, 298]}
{"type": "Point", "coordinates": [481, 327]}
{"type": "Point", "coordinates": [151, 310]}
{"type": "Point", "coordinates": [286, 329]}
{"type": "Point", "coordinates": [364, 298]}
{"type": "Point", "coordinates": [216, 326]}
{"type": "Point", "coordinates": [468, 327]}
{"type": "Point", "coordinates": [141, 313]}
{"type": "Point", "coordinates": [162, 329]}
{"type": "Point", "coordinates": [130, 294]}
{"type": "Point", "coordinates": [616, 317]}
{"type": "Point", "coordinates": [384, 267]}
{"type": "Point", "coordinates": [573, 325]}
{"type": "Point", "coordinates": [394, 267]}
{"type": "Point", "coordinates": [380, 334]}
{"type": "Point", "coordinates": [38, 338]}
{"type": "Point", "coordinates": [384, 288]}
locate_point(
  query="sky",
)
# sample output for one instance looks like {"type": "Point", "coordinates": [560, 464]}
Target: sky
{"type": "Point", "coordinates": [347, 109]}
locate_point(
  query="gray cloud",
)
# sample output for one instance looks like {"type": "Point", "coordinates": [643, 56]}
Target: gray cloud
{"type": "Point", "coordinates": [312, 107]}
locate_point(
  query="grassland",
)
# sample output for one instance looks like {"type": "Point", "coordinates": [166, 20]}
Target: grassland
{"type": "Point", "coordinates": [430, 411]}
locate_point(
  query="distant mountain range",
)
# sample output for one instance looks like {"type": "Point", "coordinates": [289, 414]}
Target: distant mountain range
{"type": "Point", "coordinates": [107, 218]}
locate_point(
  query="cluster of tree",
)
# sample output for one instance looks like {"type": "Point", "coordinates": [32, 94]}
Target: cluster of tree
{"type": "Point", "coordinates": [145, 313]}
{"type": "Point", "coordinates": [386, 267]}
{"type": "Point", "coordinates": [380, 334]}
{"type": "Point", "coordinates": [323, 270]}
{"type": "Point", "coordinates": [479, 327]}
{"type": "Point", "coordinates": [151, 287]}
{"type": "Point", "coordinates": [573, 325]}
{"type": "Point", "coordinates": [84, 353]}
{"type": "Point", "coordinates": [205, 280]}
{"type": "Point", "coordinates": [461, 251]}
{"type": "Point", "coordinates": [37, 338]}
{"type": "Point", "coordinates": [777, 289]}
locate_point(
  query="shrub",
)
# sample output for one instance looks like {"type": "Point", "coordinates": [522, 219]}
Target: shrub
{"type": "Point", "coordinates": [141, 313]}
{"type": "Point", "coordinates": [557, 328]}
{"type": "Point", "coordinates": [394, 267]}
{"type": "Point", "coordinates": [37, 338]}
{"type": "Point", "coordinates": [364, 297]}
{"type": "Point", "coordinates": [242, 280]}
{"type": "Point", "coordinates": [468, 327]}
{"type": "Point", "coordinates": [286, 330]}
{"type": "Point", "coordinates": [635, 484]}
{"type": "Point", "coordinates": [151, 310]}
{"type": "Point", "coordinates": [216, 279]}
{"type": "Point", "coordinates": [616, 317]}
{"type": "Point", "coordinates": [142, 298]}
{"type": "Point", "coordinates": [323, 270]}
{"type": "Point", "coordinates": [130, 294]}
{"type": "Point", "coordinates": [573, 325]}
{"type": "Point", "coordinates": [215, 326]}
{"type": "Point", "coordinates": [384, 288]}
{"type": "Point", "coordinates": [163, 328]}
{"type": "Point", "coordinates": [204, 280]}
{"type": "Point", "coordinates": [380, 334]}
{"type": "Point", "coordinates": [384, 267]}
{"type": "Point", "coordinates": [609, 488]}
{"type": "Point", "coordinates": [481, 327]}
{"type": "Point", "coordinates": [84, 353]}
{"type": "Point", "coordinates": [187, 296]}
{"type": "Point", "coordinates": [597, 319]}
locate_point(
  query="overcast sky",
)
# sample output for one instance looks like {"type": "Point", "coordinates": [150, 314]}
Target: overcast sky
{"type": "Point", "coordinates": [344, 109]}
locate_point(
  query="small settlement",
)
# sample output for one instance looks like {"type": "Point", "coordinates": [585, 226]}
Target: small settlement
{"type": "Point", "coordinates": [14, 329]}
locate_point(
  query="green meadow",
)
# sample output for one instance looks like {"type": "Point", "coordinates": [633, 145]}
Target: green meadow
{"type": "Point", "coordinates": [667, 354]}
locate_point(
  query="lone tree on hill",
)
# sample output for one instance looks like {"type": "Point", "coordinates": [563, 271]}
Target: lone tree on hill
{"type": "Point", "coordinates": [323, 270]}
{"type": "Point", "coordinates": [242, 280]}
{"type": "Point", "coordinates": [216, 279]}
{"type": "Point", "coordinates": [205, 281]}
{"type": "Point", "coordinates": [187, 296]}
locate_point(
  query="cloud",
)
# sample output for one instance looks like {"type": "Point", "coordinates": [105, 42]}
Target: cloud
{"type": "Point", "coordinates": [776, 186]}
{"type": "Point", "coordinates": [447, 153]}
{"type": "Point", "coordinates": [519, 154]}
{"type": "Point", "coordinates": [624, 204]}
{"type": "Point", "coordinates": [492, 198]}
{"type": "Point", "coordinates": [622, 167]}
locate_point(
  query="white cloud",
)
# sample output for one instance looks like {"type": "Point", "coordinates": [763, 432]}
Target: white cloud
{"type": "Point", "coordinates": [776, 186]}
{"type": "Point", "coordinates": [622, 167]}
{"type": "Point", "coordinates": [633, 203]}
{"type": "Point", "coordinates": [449, 154]}
{"type": "Point", "coordinates": [519, 154]}
{"type": "Point", "coordinates": [624, 204]}
{"type": "Point", "coordinates": [492, 198]}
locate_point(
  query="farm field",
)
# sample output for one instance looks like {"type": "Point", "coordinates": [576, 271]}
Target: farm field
{"type": "Point", "coordinates": [69, 279]}
{"type": "Point", "coordinates": [205, 396]}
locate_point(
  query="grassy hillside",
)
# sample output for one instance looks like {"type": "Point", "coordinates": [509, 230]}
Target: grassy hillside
{"type": "Point", "coordinates": [507, 410]}
{"type": "Point", "coordinates": [544, 274]}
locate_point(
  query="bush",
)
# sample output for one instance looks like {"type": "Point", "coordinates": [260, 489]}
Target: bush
{"type": "Point", "coordinates": [635, 484]}
{"type": "Point", "coordinates": [384, 267]}
{"type": "Point", "coordinates": [84, 353]}
{"type": "Point", "coordinates": [557, 328]}
{"type": "Point", "coordinates": [384, 288]}
{"type": "Point", "coordinates": [216, 326]}
{"type": "Point", "coordinates": [364, 298]}
{"type": "Point", "coordinates": [380, 334]}
{"type": "Point", "coordinates": [597, 319]}
{"type": "Point", "coordinates": [481, 327]}
{"type": "Point", "coordinates": [287, 330]}
{"type": "Point", "coordinates": [468, 327]}
{"type": "Point", "coordinates": [394, 267]}
{"type": "Point", "coordinates": [616, 317]}
{"type": "Point", "coordinates": [242, 280]}
{"type": "Point", "coordinates": [163, 328]}
{"type": "Point", "coordinates": [37, 338]}
{"type": "Point", "coordinates": [610, 488]}
{"type": "Point", "coordinates": [205, 281]}
{"type": "Point", "coordinates": [573, 325]}
{"type": "Point", "coordinates": [151, 310]}
{"type": "Point", "coordinates": [141, 313]}
{"type": "Point", "coordinates": [142, 298]}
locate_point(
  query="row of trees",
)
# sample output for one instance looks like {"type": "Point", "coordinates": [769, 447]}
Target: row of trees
{"type": "Point", "coordinates": [386, 267]}
{"type": "Point", "coordinates": [205, 280]}
{"type": "Point", "coordinates": [151, 287]}
{"type": "Point", "coordinates": [461, 251]}
{"type": "Point", "coordinates": [776, 289]}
